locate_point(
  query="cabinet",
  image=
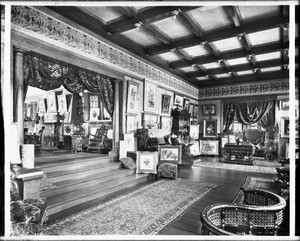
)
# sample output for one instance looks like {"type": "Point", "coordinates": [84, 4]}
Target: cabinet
{"type": "Point", "coordinates": [181, 122]}
{"type": "Point", "coordinates": [239, 154]}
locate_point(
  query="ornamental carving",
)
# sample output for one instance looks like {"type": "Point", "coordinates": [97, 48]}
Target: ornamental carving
{"type": "Point", "coordinates": [38, 22]}
{"type": "Point", "coordinates": [269, 87]}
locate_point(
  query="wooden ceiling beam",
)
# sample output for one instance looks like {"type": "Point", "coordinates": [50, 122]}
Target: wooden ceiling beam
{"type": "Point", "coordinates": [238, 68]}
{"type": "Point", "coordinates": [219, 34]}
{"type": "Point", "coordinates": [148, 16]}
{"type": "Point", "coordinates": [234, 15]}
{"type": "Point", "coordinates": [232, 54]}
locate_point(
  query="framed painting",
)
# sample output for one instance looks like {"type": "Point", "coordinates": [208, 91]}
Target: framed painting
{"type": "Point", "coordinates": [195, 112]}
{"type": "Point", "coordinates": [67, 129]}
{"type": "Point", "coordinates": [62, 104]}
{"type": "Point", "coordinates": [51, 102]}
{"type": "Point", "coordinates": [178, 101]}
{"type": "Point", "coordinates": [210, 128]}
{"type": "Point", "coordinates": [150, 121]}
{"type": "Point", "coordinates": [146, 162]}
{"type": "Point", "coordinates": [285, 127]}
{"type": "Point", "coordinates": [208, 110]}
{"type": "Point", "coordinates": [166, 104]}
{"type": "Point", "coordinates": [130, 123]}
{"type": "Point", "coordinates": [186, 104]}
{"type": "Point", "coordinates": [132, 98]}
{"type": "Point", "coordinates": [170, 153]}
{"type": "Point", "coordinates": [166, 123]}
{"type": "Point", "coordinates": [195, 149]}
{"type": "Point", "coordinates": [231, 138]}
{"type": "Point", "coordinates": [194, 132]}
{"type": "Point", "coordinates": [209, 147]}
{"type": "Point", "coordinates": [151, 97]}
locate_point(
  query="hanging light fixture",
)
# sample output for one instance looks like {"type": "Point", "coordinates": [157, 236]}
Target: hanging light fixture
{"type": "Point", "coordinates": [175, 13]}
{"type": "Point", "coordinates": [138, 25]}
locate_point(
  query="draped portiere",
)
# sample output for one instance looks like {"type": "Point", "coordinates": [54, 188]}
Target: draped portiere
{"type": "Point", "coordinates": [228, 115]}
{"type": "Point", "coordinates": [255, 112]}
{"type": "Point", "coordinates": [48, 74]}
{"type": "Point", "coordinates": [268, 121]}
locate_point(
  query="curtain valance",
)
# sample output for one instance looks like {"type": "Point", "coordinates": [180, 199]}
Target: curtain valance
{"type": "Point", "coordinates": [49, 74]}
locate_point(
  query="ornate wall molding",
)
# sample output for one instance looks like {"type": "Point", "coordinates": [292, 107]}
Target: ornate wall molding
{"type": "Point", "coordinates": [268, 87]}
{"type": "Point", "coordinates": [43, 25]}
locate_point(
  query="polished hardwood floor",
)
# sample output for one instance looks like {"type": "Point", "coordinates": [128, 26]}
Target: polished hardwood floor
{"type": "Point", "coordinates": [228, 184]}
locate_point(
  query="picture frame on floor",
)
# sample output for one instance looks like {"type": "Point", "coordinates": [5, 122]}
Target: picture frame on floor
{"type": "Point", "coordinates": [146, 162]}
{"type": "Point", "coordinates": [209, 147]}
{"type": "Point", "coordinates": [170, 153]}
{"type": "Point", "coordinates": [210, 128]}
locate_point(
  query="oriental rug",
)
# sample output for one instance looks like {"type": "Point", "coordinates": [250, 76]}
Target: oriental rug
{"type": "Point", "coordinates": [145, 211]}
{"type": "Point", "coordinates": [236, 167]}
{"type": "Point", "coordinates": [257, 183]}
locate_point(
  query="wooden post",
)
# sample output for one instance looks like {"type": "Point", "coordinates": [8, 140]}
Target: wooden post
{"type": "Point", "coordinates": [19, 92]}
{"type": "Point", "coordinates": [116, 121]}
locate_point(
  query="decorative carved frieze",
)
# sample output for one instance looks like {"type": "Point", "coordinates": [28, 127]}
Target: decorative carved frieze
{"type": "Point", "coordinates": [42, 24]}
{"type": "Point", "coordinates": [268, 87]}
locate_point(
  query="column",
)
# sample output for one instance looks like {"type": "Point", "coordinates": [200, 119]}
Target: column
{"type": "Point", "coordinates": [116, 120]}
{"type": "Point", "coordinates": [19, 92]}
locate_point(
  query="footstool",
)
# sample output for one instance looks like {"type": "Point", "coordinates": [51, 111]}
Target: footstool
{"type": "Point", "coordinates": [168, 170]}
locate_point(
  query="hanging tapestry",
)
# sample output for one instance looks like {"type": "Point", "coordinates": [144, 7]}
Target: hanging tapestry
{"type": "Point", "coordinates": [49, 74]}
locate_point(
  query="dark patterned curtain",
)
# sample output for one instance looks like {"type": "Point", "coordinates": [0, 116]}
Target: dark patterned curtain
{"type": "Point", "coordinates": [228, 115]}
{"type": "Point", "coordinates": [268, 121]}
{"type": "Point", "coordinates": [254, 112]}
{"type": "Point", "coordinates": [49, 74]}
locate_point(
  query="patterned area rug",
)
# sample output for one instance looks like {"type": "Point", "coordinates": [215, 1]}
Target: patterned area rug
{"type": "Point", "coordinates": [236, 167]}
{"type": "Point", "coordinates": [258, 183]}
{"type": "Point", "coordinates": [145, 211]}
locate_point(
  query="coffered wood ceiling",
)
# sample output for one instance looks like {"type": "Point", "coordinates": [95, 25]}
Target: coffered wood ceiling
{"type": "Point", "coordinates": [205, 45]}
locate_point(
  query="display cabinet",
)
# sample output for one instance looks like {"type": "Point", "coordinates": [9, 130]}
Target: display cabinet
{"type": "Point", "coordinates": [181, 122]}
{"type": "Point", "coordinates": [239, 154]}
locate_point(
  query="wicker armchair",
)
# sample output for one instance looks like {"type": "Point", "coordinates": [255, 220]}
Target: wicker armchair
{"type": "Point", "coordinates": [260, 214]}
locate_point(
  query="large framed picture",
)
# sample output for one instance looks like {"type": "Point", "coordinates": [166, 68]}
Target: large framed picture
{"type": "Point", "coordinates": [208, 110]}
{"type": "Point", "coordinates": [130, 123]}
{"type": "Point", "coordinates": [209, 147]}
{"type": "Point", "coordinates": [132, 98]}
{"type": "Point", "coordinates": [285, 127]}
{"type": "Point", "coordinates": [194, 132]}
{"type": "Point", "coordinates": [210, 128]}
{"type": "Point", "coordinates": [170, 153]}
{"type": "Point", "coordinates": [166, 104]}
{"type": "Point", "coordinates": [166, 123]}
{"type": "Point", "coordinates": [150, 121]}
{"type": "Point", "coordinates": [146, 162]}
{"type": "Point", "coordinates": [151, 97]}
{"type": "Point", "coordinates": [178, 101]}
{"type": "Point", "coordinates": [51, 102]}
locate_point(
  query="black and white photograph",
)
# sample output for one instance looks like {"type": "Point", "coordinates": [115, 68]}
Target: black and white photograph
{"type": "Point", "coordinates": [154, 120]}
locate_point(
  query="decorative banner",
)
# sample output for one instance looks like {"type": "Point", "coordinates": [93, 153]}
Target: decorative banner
{"type": "Point", "coordinates": [42, 107]}
{"type": "Point", "coordinates": [62, 104]}
{"type": "Point", "coordinates": [51, 102]}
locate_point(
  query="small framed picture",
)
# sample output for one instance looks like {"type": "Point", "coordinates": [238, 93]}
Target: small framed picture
{"type": "Point", "coordinates": [170, 153]}
{"type": "Point", "coordinates": [194, 132]}
{"type": "Point", "coordinates": [150, 121]}
{"type": "Point", "coordinates": [210, 128]}
{"type": "Point", "coordinates": [132, 98]}
{"type": "Point", "coordinates": [285, 127]}
{"type": "Point", "coordinates": [178, 101]}
{"type": "Point", "coordinates": [51, 102]}
{"type": "Point", "coordinates": [208, 110]}
{"type": "Point", "coordinates": [166, 104]}
{"type": "Point", "coordinates": [130, 123]}
{"type": "Point", "coordinates": [191, 110]}
{"type": "Point", "coordinates": [284, 105]}
{"type": "Point", "coordinates": [195, 114]}
{"type": "Point", "coordinates": [166, 123]}
{"type": "Point", "coordinates": [146, 162]}
{"type": "Point", "coordinates": [67, 129]}
{"type": "Point", "coordinates": [209, 147]}
{"type": "Point", "coordinates": [186, 104]}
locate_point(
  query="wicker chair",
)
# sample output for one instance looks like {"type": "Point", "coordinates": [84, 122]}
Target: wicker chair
{"type": "Point", "coordinates": [260, 214]}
